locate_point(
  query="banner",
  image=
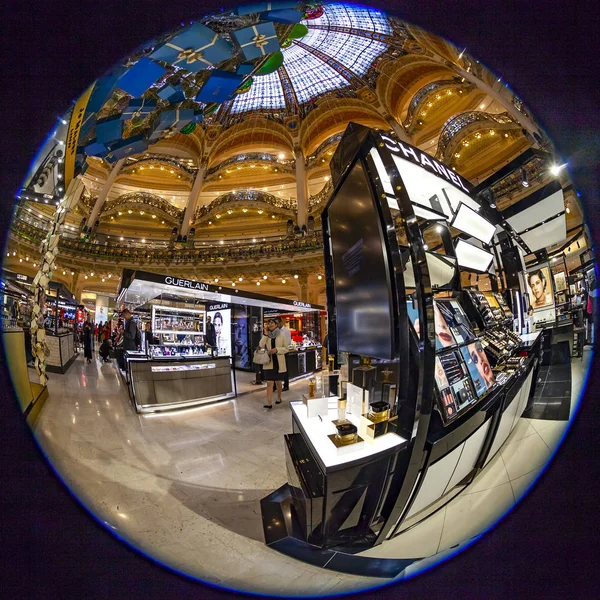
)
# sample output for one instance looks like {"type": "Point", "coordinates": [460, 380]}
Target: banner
{"type": "Point", "coordinates": [73, 134]}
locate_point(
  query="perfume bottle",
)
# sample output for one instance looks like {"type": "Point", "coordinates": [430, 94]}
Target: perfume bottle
{"type": "Point", "coordinates": [312, 387]}
{"type": "Point", "coordinates": [342, 409]}
{"type": "Point", "coordinates": [365, 376]}
{"type": "Point", "coordinates": [388, 387]}
{"type": "Point", "coordinates": [331, 363]}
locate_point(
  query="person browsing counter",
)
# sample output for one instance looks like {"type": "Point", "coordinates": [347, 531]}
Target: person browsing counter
{"type": "Point", "coordinates": [275, 371]}
{"type": "Point", "coordinates": [288, 340]}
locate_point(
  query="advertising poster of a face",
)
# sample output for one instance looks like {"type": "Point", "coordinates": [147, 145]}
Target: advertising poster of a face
{"type": "Point", "coordinates": [539, 287]}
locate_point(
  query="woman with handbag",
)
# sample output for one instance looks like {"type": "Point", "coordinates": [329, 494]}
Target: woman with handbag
{"type": "Point", "coordinates": [272, 349]}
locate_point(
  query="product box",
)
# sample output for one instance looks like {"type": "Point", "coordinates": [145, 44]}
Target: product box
{"type": "Point", "coordinates": [257, 40]}
{"type": "Point", "coordinates": [137, 79]}
{"type": "Point", "coordinates": [195, 49]}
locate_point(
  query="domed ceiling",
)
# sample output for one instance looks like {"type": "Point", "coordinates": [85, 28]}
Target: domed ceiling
{"type": "Point", "coordinates": [222, 131]}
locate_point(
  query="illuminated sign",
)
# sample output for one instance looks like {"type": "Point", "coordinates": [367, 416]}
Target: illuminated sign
{"type": "Point", "coordinates": [302, 304]}
{"type": "Point", "coordinates": [186, 283]}
{"type": "Point", "coordinates": [422, 159]}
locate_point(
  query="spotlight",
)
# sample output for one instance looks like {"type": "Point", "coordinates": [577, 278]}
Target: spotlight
{"type": "Point", "coordinates": [216, 280]}
{"type": "Point", "coordinates": [295, 276]}
{"type": "Point", "coordinates": [264, 276]}
{"type": "Point", "coordinates": [319, 277]}
{"type": "Point", "coordinates": [283, 281]}
{"type": "Point", "coordinates": [240, 279]}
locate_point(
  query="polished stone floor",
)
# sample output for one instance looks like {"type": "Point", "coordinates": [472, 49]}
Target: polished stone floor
{"type": "Point", "coordinates": [185, 487]}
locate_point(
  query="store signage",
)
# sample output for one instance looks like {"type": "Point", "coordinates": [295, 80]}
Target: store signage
{"type": "Point", "coordinates": [422, 159]}
{"type": "Point", "coordinates": [302, 304]}
{"type": "Point", "coordinates": [214, 307]}
{"type": "Point", "coordinates": [186, 283]}
{"type": "Point", "coordinates": [21, 277]}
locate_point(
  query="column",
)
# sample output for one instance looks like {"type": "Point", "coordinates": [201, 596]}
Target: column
{"type": "Point", "coordinates": [303, 287]}
{"type": "Point", "coordinates": [301, 187]}
{"type": "Point", "coordinates": [398, 129]}
{"type": "Point", "coordinates": [192, 203]}
{"type": "Point", "coordinates": [104, 192]}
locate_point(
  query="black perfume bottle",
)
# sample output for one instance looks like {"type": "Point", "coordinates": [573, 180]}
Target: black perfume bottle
{"type": "Point", "coordinates": [365, 376]}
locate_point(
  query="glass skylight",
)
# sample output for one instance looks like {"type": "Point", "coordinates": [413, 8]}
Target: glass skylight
{"type": "Point", "coordinates": [355, 17]}
{"type": "Point", "coordinates": [310, 76]}
{"type": "Point", "coordinates": [266, 93]}
{"type": "Point", "coordinates": [354, 52]}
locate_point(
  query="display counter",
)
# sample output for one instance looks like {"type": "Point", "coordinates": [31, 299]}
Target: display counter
{"type": "Point", "coordinates": [62, 351]}
{"type": "Point", "coordinates": [335, 491]}
{"type": "Point", "coordinates": [157, 384]}
{"type": "Point", "coordinates": [302, 361]}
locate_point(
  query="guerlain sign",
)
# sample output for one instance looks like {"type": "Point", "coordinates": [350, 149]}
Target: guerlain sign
{"type": "Point", "coordinates": [186, 283]}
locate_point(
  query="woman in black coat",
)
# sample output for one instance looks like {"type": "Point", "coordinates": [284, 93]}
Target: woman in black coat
{"type": "Point", "coordinates": [88, 332]}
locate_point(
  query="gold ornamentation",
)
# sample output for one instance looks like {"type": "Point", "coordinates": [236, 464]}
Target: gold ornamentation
{"type": "Point", "coordinates": [190, 55]}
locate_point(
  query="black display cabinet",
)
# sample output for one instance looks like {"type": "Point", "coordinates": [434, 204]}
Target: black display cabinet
{"type": "Point", "coordinates": [389, 201]}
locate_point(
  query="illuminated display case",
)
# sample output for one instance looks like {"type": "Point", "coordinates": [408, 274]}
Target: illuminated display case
{"type": "Point", "coordinates": [396, 306]}
{"type": "Point", "coordinates": [178, 331]}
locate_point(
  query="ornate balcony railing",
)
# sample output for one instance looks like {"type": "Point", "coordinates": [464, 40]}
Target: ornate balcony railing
{"type": "Point", "coordinates": [127, 254]}
{"type": "Point", "coordinates": [454, 125]}
{"type": "Point", "coordinates": [284, 165]}
{"type": "Point", "coordinates": [421, 95]}
{"type": "Point", "coordinates": [145, 199]}
{"type": "Point", "coordinates": [316, 202]}
{"type": "Point", "coordinates": [247, 196]}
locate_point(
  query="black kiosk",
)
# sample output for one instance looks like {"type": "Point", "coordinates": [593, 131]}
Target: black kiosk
{"type": "Point", "coordinates": [419, 409]}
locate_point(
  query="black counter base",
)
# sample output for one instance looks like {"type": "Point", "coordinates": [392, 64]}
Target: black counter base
{"type": "Point", "coordinates": [284, 534]}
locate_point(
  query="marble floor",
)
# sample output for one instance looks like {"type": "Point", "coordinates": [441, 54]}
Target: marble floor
{"type": "Point", "coordinates": [185, 487]}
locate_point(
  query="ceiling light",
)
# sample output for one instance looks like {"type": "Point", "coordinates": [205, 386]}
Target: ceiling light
{"type": "Point", "coordinates": [72, 272]}
{"type": "Point", "coordinates": [121, 239]}
{"type": "Point", "coordinates": [482, 106]}
{"type": "Point", "coordinates": [240, 279]}
{"type": "Point", "coordinates": [556, 169]}
{"type": "Point", "coordinates": [20, 260]}
{"type": "Point", "coordinates": [103, 280]}
{"type": "Point", "coordinates": [129, 211]}
{"type": "Point", "coordinates": [233, 284]}
{"type": "Point", "coordinates": [143, 241]}
{"type": "Point", "coordinates": [244, 210]}
{"type": "Point", "coordinates": [260, 212]}
{"type": "Point", "coordinates": [264, 276]}
{"type": "Point", "coordinates": [210, 222]}
{"type": "Point", "coordinates": [258, 283]}
{"type": "Point", "coordinates": [319, 277]}
{"type": "Point", "coordinates": [86, 276]}
{"type": "Point", "coordinates": [64, 272]}
{"type": "Point", "coordinates": [506, 135]}
{"type": "Point", "coordinates": [218, 216]}
{"type": "Point", "coordinates": [154, 216]}
{"type": "Point", "coordinates": [221, 242]}
{"type": "Point", "coordinates": [283, 281]}
{"type": "Point", "coordinates": [229, 211]}
{"type": "Point", "coordinates": [492, 132]}
{"type": "Point", "coordinates": [109, 275]}
{"type": "Point", "coordinates": [216, 280]}
{"type": "Point", "coordinates": [568, 210]}
{"type": "Point", "coordinates": [295, 276]}
{"type": "Point", "coordinates": [281, 156]}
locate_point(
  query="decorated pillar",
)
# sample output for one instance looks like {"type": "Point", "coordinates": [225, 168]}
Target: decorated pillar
{"type": "Point", "coordinates": [303, 288]}
{"type": "Point", "coordinates": [192, 203]}
{"type": "Point", "coordinates": [301, 187]}
{"type": "Point", "coordinates": [398, 129]}
{"type": "Point", "coordinates": [104, 192]}
{"type": "Point", "coordinates": [39, 287]}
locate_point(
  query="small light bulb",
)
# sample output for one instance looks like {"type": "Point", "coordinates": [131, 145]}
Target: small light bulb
{"type": "Point", "coordinates": [283, 281]}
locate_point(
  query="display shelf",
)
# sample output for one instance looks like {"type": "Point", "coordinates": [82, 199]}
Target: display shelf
{"type": "Point", "coordinates": [317, 430]}
{"type": "Point", "coordinates": [179, 331]}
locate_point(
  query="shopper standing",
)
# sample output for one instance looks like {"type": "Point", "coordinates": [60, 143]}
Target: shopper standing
{"type": "Point", "coordinates": [275, 370]}
{"type": "Point", "coordinates": [88, 333]}
{"type": "Point", "coordinates": [131, 335]}
{"type": "Point", "coordinates": [287, 335]}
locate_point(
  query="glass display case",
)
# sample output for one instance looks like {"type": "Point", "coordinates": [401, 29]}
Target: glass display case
{"type": "Point", "coordinates": [177, 332]}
